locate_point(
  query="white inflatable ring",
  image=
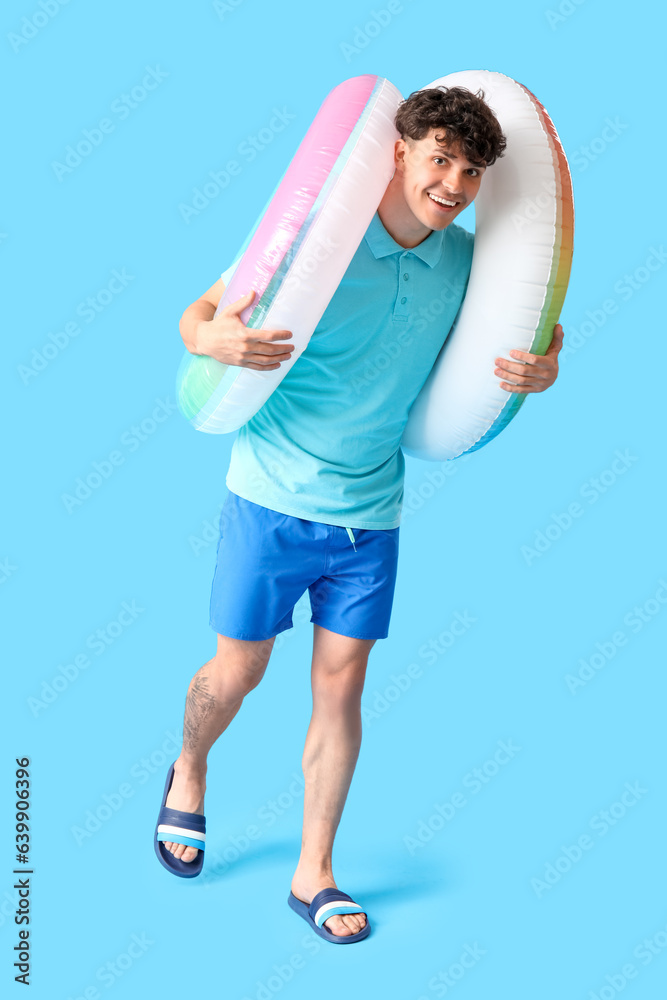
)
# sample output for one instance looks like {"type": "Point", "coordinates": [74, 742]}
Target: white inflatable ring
{"type": "Point", "coordinates": [524, 219]}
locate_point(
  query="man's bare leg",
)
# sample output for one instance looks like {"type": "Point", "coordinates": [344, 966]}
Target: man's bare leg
{"type": "Point", "coordinates": [329, 758]}
{"type": "Point", "coordinates": [214, 697]}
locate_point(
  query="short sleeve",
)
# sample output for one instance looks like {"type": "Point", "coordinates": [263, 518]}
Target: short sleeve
{"type": "Point", "coordinates": [226, 275]}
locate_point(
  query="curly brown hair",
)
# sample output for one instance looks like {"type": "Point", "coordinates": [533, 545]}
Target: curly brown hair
{"type": "Point", "coordinates": [463, 116]}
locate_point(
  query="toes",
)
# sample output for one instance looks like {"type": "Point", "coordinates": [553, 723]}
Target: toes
{"type": "Point", "coordinates": [343, 925]}
{"type": "Point", "coordinates": [181, 851]}
{"type": "Point", "coordinates": [355, 922]}
{"type": "Point", "coordinates": [337, 926]}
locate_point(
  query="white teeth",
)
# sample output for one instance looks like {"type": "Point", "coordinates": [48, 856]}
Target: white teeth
{"type": "Point", "coordinates": [442, 201]}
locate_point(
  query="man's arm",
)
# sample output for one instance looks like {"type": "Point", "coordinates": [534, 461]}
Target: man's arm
{"type": "Point", "coordinates": [201, 311]}
{"type": "Point", "coordinates": [226, 338]}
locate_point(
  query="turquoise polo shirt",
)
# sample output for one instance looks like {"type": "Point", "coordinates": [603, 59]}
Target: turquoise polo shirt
{"type": "Point", "coordinates": [326, 444]}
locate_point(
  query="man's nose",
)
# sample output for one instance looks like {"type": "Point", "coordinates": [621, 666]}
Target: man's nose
{"type": "Point", "coordinates": [453, 188]}
{"type": "Point", "coordinates": [453, 182]}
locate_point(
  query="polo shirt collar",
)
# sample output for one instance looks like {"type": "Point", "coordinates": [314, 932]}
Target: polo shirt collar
{"type": "Point", "coordinates": [382, 244]}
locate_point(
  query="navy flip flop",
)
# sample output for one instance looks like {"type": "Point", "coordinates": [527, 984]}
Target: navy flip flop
{"type": "Point", "coordinates": [324, 904]}
{"type": "Point", "coordinates": [179, 828]}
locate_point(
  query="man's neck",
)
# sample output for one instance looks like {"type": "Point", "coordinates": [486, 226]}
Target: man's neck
{"type": "Point", "coordinates": [399, 221]}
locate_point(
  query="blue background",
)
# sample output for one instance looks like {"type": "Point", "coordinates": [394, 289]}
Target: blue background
{"type": "Point", "coordinates": [147, 535]}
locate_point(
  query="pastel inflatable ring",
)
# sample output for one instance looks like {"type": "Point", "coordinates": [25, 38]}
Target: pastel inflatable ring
{"type": "Point", "coordinates": [300, 246]}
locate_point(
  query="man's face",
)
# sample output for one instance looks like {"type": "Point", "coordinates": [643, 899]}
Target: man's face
{"type": "Point", "coordinates": [436, 172]}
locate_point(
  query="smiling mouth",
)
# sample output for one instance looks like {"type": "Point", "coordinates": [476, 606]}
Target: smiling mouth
{"type": "Point", "coordinates": [444, 203]}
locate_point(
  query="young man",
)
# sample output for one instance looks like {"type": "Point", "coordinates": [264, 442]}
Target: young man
{"type": "Point", "coordinates": [316, 481]}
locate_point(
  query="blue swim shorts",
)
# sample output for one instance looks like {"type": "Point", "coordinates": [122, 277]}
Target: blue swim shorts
{"type": "Point", "coordinates": [266, 560]}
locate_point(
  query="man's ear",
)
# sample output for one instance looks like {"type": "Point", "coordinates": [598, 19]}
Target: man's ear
{"type": "Point", "coordinates": [400, 150]}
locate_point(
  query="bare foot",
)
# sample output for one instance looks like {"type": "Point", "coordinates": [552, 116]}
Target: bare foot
{"type": "Point", "coordinates": [187, 794]}
{"type": "Point", "coordinates": [306, 886]}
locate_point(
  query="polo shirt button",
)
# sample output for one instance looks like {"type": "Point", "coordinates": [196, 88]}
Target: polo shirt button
{"type": "Point", "coordinates": [403, 300]}
{"type": "Point", "coordinates": [405, 277]}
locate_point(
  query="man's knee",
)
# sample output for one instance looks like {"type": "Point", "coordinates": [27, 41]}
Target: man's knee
{"type": "Point", "coordinates": [344, 666]}
{"type": "Point", "coordinates": [245, 659]}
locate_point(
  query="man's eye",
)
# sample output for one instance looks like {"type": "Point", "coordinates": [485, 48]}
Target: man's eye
{"type": "Point", "coordinates": [440, 158]}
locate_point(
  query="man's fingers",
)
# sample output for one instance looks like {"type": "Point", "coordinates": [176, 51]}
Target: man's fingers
{"type": "Point", "coordinates": [509, 366]}
{"type": "Point", "coordinates": [269, 350]}
{"type": "Point", "coordinates": [508, 387]}
{"type": "Point", "coordinates": [265, 359]}
{"type": "Point", "coordinates": [556, 340]}
{"type": "Point", "coordinates": [268, 335]}
{"type": "Point", "coordinates": [535, 371]}
{"type": "Point", "coordinates": [259, 345]}
{"type": "Point", "coordinates": [530, 359]}
{"type": "Point", "coordinates": [234, 308]}
{"type": "Point", "coordinates": [523, 383]}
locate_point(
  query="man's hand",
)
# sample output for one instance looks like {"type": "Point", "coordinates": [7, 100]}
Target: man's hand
{"type": "Point", "coordinates": [538, 373]}
{"type": "Point", "coordinates": [227, 339]}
